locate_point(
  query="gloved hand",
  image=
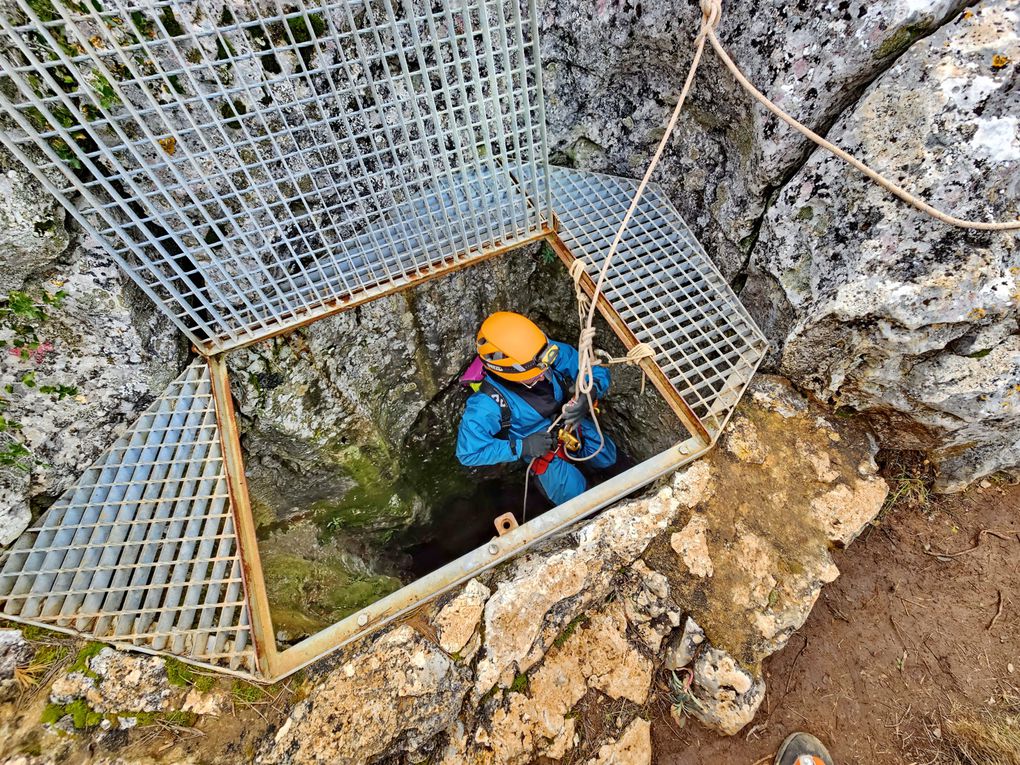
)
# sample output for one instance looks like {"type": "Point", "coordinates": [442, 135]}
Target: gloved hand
{"type": "Point", "coordinates": [537, 444]}
{"type": "Point", "coordinates": [574, 411]}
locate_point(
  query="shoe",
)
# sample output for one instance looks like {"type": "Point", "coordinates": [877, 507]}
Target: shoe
{"type": "Point", "coordinates": [802, 749]}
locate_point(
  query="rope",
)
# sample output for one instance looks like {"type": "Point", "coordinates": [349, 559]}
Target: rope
{"type": "Point", "coordinates": [711, 13]}
{"type": "Point", "coordinates": [805, 131]}
{"type": "Point", "coordinates": [585, 354]}
{"type": "Point", "coordinates": [634, 356]}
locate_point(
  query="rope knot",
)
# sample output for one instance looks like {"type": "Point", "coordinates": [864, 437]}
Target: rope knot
{"type": "Point", "coordinates": [711, 12]}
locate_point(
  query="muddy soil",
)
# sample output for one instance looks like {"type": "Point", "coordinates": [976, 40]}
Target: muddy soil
{"type": "Point", "coordinates": [922, 627]}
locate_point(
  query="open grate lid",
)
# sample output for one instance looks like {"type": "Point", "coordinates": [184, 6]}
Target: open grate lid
{"type": "Point", "coordinates": [142, 551]}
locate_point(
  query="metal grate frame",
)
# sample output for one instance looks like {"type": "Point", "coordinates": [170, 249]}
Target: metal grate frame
{"type": "Point", "coordinates": [254, 167]}
{"type": "Point", "coordinates": [265, 166]}
{"type": "Point", "coordinates": [142, 551]}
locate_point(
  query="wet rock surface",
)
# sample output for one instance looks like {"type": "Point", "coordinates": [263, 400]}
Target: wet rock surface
{"type": "Point", "coordinates": [589, 618]}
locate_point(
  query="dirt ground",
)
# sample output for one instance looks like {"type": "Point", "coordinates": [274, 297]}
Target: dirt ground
{"type": "Point", "coordinates": [922, 629]}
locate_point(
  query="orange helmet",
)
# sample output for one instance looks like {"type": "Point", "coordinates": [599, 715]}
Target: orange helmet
{"type": "Point", "coordinates": [513, 347]}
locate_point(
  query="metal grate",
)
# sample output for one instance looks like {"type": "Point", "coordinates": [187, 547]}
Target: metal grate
{"type": "Point", "coordinates": [142, 550]}
{"type": "Point", "coordinates": [665, 288]}
{"type": "Point", "coordinates": [257, 165]}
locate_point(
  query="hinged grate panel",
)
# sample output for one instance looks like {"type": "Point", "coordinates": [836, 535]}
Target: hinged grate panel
{"type": "Point", "coordinates": [259, 164]}
{"type": "Point", "coordinates": [142, 549]}
{"type": "Point", "coordinates": [664, 287]}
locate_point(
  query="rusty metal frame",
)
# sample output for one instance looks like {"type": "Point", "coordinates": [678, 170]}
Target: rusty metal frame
{"type": "Point", "coordinates": [439, 195]}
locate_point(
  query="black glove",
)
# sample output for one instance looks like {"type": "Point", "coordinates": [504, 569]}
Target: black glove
{"type": "Point", "coordinates": [537, 444]}
{"type": "Point", "coordinates": [574, 411]}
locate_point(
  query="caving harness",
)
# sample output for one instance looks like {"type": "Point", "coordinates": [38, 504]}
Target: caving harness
{"type": "Point", "coordinates": [474, 378]}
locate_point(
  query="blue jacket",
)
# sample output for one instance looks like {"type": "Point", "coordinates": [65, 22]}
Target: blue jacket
{"type": "Point", "coordinates": [477, 443]}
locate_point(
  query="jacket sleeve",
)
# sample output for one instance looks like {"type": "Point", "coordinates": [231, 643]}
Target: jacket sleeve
{"type": "Point", "coordinates": [566, 364]}
{"type": "Point", "coordinates": [476, 439]}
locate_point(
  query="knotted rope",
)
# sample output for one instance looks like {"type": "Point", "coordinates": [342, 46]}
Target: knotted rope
{"type": "Point", "coordinates": [711, 13]}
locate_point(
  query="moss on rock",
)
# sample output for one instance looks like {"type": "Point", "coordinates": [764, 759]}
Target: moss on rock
{"type": "Point", "coordinates": [307, 595]}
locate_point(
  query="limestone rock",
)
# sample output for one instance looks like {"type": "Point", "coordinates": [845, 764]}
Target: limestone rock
{"type": "Point", "coordinates": [682, 650]}
{"type": "Point", "coordinates": [743, 442]}
{"type": "Point", "coordinates": [609, 661]}
{"type": "Point", "coordinates": [15, 652]}
{"type": "Point", "coordinates": [393, 698]}
{"type": "Point", "coordinates": [117, 682]}
{"type": "Point", "coordinates": [540, 594]}
{"type": "Point", "coordinates": [457, 621]}
{"type": "Point", "coordinates": [650, 610]}
{"type": "Point", "coordinates": [634, 747]}
{"type": "Point", "coordinates": [728, 696]}
{"type": "Point", "coordinates": [110, 349]}
{"type": "Point", "coordinates": [613, 71]}
{"type": "Point", "coordinates": [210, 703]}
{"type": "Point", "coordinates": [846, 510]}
{"type": "Point", "coordinates": [690, 544]}
{"type": "Point", "coordinates": [904, 320]}
{"type": "Point", "coordinates": [767, 527]}
{"type": "Point", "coordinates": [14, 495]}
{"type": "Point", "coordinates": [32, 232]}
{"type": "Point", "coordinates": [597, 655]}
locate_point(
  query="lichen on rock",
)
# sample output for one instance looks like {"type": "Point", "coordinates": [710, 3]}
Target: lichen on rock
{"type": "Point", "coordinates": [113, 681]}
{"type": "Point", "coordinates": [883, 311]}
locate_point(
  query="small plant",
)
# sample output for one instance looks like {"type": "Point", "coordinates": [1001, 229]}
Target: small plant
{"type": "Point", "coordinates": [909, 491]}
{"type": "Point", "coordinates": [682, 699]}
{"type": "Point", "coordinates": [520, 684]}
{"type": "Point", "coordinates": [569, 630]}
{"type": "Point", "coordinates": [180, 674]}
{"type": "Point", "coordinates": [15, 454]}
{"type": "Point", "coordinates": [45, 658]}
{"type": "Point", "coordinates": [81, 661]}
{"type": "Point", "coordinates": [21, 316]}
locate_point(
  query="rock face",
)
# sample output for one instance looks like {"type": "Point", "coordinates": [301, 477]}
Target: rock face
{"type": "Point", "coordinates": [32, 233]}
{"type": "Point", "coordinates": [102, 354]}
{"type": "Point", "coordinates": [394, 698]}
{"type": "Point", "coordinates": [580, 624]}
{"type": "Point", "coordinates": [918, 321]}
{"type": "Point", "coordinates": [634, 747]}
{"type": "Point", "coordinates": [882, 310]}
{"type": "Point", "coordinates": [613, 72]}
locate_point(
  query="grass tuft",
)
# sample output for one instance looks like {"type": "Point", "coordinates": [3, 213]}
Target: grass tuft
{"type": "Point", "coordinates": [569, 630]}
{"type": "Point", "coordinates": [178, 673]}
{"type": "Point", "coordinates": [520, 684]}
{"type": "Point", "coordinates": [244, 692]}
{"type": "Point", "coordinates": [985, 740]}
